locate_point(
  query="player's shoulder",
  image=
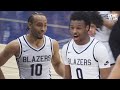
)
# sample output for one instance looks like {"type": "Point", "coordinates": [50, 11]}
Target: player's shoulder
{"type": "Point", "coordinates": [53, 41]}
{"type": "Point", "coordinates": [95, 40]}
{"type": "Point", "coordinates": [67, 44]}
{"type": "Point", "coordinates": [47, 37]}
{"type": "Point", "coordinates": [12, 46]}
{"type": "Point", "coordinates": [13, 43]}
{"type": "Point", "coordinates": [97, 43]}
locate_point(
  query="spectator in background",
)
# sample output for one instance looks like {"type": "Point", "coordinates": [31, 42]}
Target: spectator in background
{"type": "Point", "coordinates": [96, 23]}
{"type": "Point", "coordinates": [114, 40]}
{"type": "Point", "coordinates": [101, 32]}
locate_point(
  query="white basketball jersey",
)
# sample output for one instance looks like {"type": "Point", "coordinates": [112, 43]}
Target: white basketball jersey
{"type": "Point", "coordinates": [83, 63]}
{"type": "Point", "coordinates": [34, 63]}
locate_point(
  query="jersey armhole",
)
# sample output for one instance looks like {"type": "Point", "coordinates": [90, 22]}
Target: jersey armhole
{"type": "Point", "coordinates": [67, 47]}
{"type": "Point", "coordinates": [20, 53]}
{"type": "Point", "coordinates": [93, 52]}
{"type": "Point", "coordinates": [51, 42]}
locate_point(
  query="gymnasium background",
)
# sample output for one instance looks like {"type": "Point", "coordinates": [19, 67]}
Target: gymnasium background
{"type": "Point", "coordinates": [13, 24]}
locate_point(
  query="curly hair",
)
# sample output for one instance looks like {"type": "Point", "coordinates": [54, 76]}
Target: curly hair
{"type": "Point", "coordinates": [80, 15]}
{"type": "Point", "coordinates": [96, 18]}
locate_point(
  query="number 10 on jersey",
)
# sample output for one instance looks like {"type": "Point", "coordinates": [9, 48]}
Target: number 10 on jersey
{"type": "Point", "coordinates": [36, 69]}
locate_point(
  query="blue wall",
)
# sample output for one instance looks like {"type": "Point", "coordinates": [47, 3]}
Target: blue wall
{"type": "Point", "coordinates": [13, 24]}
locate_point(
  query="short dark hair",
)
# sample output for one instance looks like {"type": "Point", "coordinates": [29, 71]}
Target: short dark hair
{"type": "Point", "coordinates": [80, 15]}
{"type": "Point", "coordinates": [31, 18]}
{"type": "Point", "coordinates": [96, 18]}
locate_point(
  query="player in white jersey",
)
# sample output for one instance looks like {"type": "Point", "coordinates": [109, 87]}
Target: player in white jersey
{"type": "Point", "coordinates": [84, 56]}
{"type": "Point", "coordinates": [34, 51]}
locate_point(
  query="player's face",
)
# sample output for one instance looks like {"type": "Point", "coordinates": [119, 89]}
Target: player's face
{"type": "Point", "coordinates": [79, 30]}
{"type": "Point", "coordinates": [39, 26]}
{"type": "Point", "coordinates": [92, 30]}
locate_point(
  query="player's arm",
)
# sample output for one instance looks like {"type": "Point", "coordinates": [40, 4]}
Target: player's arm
{"type": "Point", "coordinates": [65, 60]}
{"type": "Point", "coordinates": [115, 73]}
{"type": "Point", "coordinates": [56, 62]}
{"type": "Point", "coordinates": [9, 50]}
{"type": "Point", "coordinates": [67, 72]}
{"type": "Point", "coordinates": [104, 72]}
{"type": "Point", "coordinates": [102, 56]}
{"type": "Point", "coordinates": [1, 74]}
{"type": "Point", "coordinates": [108, 23]}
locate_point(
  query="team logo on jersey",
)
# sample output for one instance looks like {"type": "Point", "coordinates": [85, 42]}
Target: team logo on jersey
{"type": "Point", "coordinates": [69, 52]}
{"type": "Point", "coordinates": [106, 63]}
{"type": "Point", "coordinates": [26, 50]}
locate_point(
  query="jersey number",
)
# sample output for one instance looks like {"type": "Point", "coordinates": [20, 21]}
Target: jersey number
{"type": "Point", "coordinates": [36, 69]}
{"type": "Point", "coordinates": [79, 73]}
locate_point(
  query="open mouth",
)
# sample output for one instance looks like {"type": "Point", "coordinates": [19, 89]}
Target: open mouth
{"type": "Point", "coordinates": [76, 36]}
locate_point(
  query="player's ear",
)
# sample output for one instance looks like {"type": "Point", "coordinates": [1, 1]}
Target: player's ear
{"type": "Point", "coordinates": [29, 24]}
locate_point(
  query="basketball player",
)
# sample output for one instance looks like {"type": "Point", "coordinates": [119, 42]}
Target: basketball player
{"type": "Point", "coordinates": [115, 73]}
{"type": "Point", "coordinates": [84, 56]}
{"type": "Point", "coordinates": [34, 51]}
